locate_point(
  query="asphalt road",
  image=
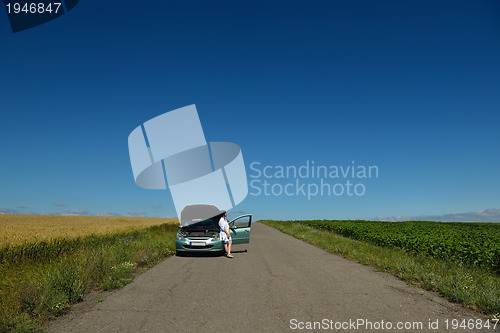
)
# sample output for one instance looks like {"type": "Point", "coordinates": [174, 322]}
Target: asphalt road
{"type": "Point", "coordinates": [278, 284]}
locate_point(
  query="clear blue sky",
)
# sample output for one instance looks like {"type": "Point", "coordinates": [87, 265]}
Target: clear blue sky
{"type": "Point", "coordinates": [410, 86]}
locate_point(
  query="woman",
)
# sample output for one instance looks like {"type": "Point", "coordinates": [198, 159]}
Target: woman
{"type": "Point", "coordinates": [225, 236]}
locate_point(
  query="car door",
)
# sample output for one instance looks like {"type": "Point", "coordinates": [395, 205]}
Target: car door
{"type": "Point", "coordinates": [239, 229]}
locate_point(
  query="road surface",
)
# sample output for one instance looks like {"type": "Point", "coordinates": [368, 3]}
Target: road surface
{"type": "Point", "coordinates": [281, 284]}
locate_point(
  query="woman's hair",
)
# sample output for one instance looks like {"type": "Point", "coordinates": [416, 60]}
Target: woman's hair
{"type": "Point", "coordinates": [221, 213]}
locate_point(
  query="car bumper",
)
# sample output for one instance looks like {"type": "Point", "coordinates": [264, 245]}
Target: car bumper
{"type": "Point", "coordinates": [187, 246]}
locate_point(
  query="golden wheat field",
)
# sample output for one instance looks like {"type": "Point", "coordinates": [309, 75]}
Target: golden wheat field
{"type": "Point", "coordinates": [16, 229]}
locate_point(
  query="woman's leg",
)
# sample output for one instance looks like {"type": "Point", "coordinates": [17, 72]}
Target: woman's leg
{"type": "Point", "coordinates": [225, 248]}
{"type": "Point", "coordinates": [229, 246]}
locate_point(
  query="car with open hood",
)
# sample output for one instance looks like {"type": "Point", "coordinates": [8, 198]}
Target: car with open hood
{"type": "Point", "coordinates": [199, 230]}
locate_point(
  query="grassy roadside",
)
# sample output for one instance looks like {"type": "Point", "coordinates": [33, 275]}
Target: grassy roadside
{"type": "Point", "coordinates": [39, 280]}
{"type": "Point", "coordinates": [476, 288]}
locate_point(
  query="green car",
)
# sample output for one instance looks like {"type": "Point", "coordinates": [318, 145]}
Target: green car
{"type": "Point", "coordinates": [200, 234]}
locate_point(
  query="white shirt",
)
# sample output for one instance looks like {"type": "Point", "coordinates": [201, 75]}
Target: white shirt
{"type": "Point", "coordinates": [223, 225]}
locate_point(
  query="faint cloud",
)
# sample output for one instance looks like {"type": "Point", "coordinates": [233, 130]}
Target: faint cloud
{"type": "Point", "coordinates": [76, 212]}
{"type": "Point", "coordinates": [159, 206]}
{"type": "Point", "coordinates": [113, 214]}
{"type": "Point", "coordinates": [485, 215]}
{"type": "Point", "coordinates": [8, 211]}
{"type": "Point", "coordinates": [132, 214]}
{"type": "Point", "coordinates": [79, 212]}
{"type": "Point", "coordinates": [58, 204]}
{"type": "Point", "coordinates": [72, 212]}
{"type": "Point", "coordinates": [136, 214]}
{"type": "Point", "coordinates": [17, 211]}
{"type": "Point", "coordinates": [110, 214]}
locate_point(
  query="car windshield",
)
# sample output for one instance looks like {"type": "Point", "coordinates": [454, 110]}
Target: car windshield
{"type": "Point", "coordinates": [208, 223]}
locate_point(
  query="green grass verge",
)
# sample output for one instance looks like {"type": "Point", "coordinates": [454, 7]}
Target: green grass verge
{"type": "Point", "coordinates": [474, 287]}
{"type": "Point", "coordinates": [40, 280]}
{"type": "Point", "coordinates": [474, 244]}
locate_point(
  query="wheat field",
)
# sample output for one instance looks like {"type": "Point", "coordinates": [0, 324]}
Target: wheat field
{"type": "Point", "coordinates": [18, 229]}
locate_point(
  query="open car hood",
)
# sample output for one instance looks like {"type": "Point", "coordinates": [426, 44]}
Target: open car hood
{"type": "Point", "coordinates": [200, 217]}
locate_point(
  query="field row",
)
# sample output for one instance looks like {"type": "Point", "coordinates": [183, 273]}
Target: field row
{"type": "Point", "coordinates": [20, 229]}
{"type": "Point", "coordinates": [476, 244]}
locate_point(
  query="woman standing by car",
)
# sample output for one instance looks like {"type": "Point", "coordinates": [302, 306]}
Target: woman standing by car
{"type": "Point", "coordinates": [225, 236]}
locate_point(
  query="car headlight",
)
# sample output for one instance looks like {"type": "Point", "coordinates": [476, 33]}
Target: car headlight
{"type": "Point", "coordinates": [180, 236]}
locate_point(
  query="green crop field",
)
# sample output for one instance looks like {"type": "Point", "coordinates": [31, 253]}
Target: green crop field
{"type": "Point", "coordinates": [475, 244]}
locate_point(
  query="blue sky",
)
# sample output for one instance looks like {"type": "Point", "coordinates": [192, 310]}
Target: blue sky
{"type": "Point", "coordinates": [412, 87]}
